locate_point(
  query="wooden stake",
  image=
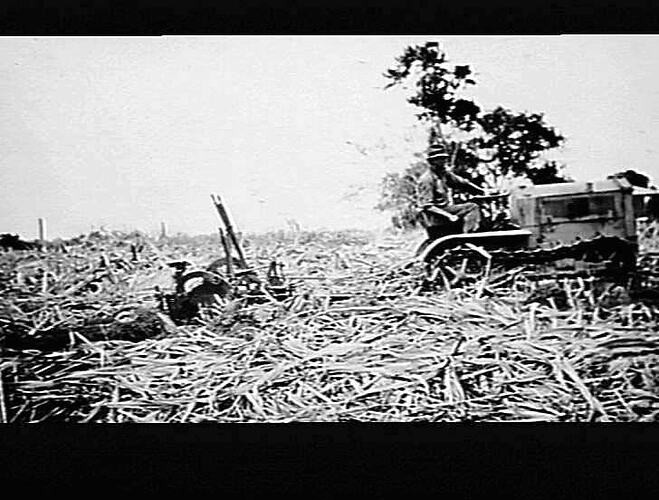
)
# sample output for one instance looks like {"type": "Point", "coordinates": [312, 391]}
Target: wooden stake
{"type": "Point", "coordinates": [163, 230]}
{"type": "Point", "coordinates": [42, 229]}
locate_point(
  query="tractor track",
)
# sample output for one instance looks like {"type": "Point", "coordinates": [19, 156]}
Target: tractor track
{"type": "Point", "coordinates": [608, 257]}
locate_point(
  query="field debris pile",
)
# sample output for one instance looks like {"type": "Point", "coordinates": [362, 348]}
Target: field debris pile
{"type": "Point", "coordinates": [82, 340]}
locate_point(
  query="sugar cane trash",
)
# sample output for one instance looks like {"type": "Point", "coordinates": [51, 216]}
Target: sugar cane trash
{"type": "Point", "coordinates": [388, 352]}
{"type": "Point", "coordinates": [357, 338]}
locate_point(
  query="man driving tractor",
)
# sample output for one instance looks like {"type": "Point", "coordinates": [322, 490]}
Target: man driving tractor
{"type": "Point", "coordinates": [438, 215]}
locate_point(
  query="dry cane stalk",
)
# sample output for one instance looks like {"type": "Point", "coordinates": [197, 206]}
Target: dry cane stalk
{"type": "Point", "coordinates": [3, 409]}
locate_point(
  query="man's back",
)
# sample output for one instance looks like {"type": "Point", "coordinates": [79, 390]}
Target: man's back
{"type": "Point", "coordinates": [433, 189]}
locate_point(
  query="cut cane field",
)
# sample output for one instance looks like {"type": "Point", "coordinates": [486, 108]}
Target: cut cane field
{"type": "Point", "coordinates": [83, 339]}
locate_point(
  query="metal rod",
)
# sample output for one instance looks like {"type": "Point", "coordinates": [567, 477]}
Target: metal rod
{"type": "Point", "coordinates": [227, 253]}
{"type": "Point", "coordinates": [217, 201]}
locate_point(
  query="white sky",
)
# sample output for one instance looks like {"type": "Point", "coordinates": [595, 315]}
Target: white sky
{"type": "Point", "coordinates": [128, 132]}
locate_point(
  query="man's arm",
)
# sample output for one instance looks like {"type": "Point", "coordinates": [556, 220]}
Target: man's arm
{"type": "Point", "coordinates": [456, 182]}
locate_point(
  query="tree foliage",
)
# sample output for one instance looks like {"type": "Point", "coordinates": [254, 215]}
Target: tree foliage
{"type": "Point", "coordinates": [400, 193]}
{"type": "Point", "coordinates": [439, 86]}
{"type": "Point", "coordinates": [487, 147]}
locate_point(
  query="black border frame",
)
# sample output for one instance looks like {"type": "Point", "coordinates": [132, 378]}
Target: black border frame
{"type": "Point", "coordinates": [524, 459]}
{"type": "Point", "coordinates": [327, 17]}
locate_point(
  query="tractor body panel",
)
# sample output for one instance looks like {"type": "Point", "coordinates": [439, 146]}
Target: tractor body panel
{"type": "Point", "coordinates": [561, 214]}
{"type": "Point", "coordinates": [646, 202]}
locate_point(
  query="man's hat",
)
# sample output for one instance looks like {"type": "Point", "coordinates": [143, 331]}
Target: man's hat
{"type": "Point", "coordinates": [437, 151]}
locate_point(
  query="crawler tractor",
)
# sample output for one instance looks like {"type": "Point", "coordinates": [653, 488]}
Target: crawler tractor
{"type": "Point", "coordinates": [550, 231]}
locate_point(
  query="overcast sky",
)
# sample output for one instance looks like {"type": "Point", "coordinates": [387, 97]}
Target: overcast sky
{"type": "Point", "coordinates": [128, 132]}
